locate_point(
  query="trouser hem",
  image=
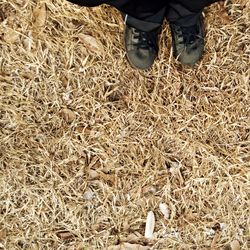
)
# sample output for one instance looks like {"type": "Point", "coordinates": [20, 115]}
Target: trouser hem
{"type": "Point", "coordinates": [148, 24]}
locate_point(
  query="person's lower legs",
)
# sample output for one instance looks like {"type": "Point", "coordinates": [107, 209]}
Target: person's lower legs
{"type": "Point", "coordinates": [143, 19]}
{"type": "Point", "coordinates": [186, 12]}
{"type": "Point", "coordinates": [186, 23]}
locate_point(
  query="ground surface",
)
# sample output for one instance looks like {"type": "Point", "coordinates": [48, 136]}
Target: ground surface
{"type": "Point", "coordinates": [89, 146]}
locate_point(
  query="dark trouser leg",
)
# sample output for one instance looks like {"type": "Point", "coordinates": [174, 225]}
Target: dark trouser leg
{"type": "Point", "coordinates": [145, 15]}
{"type": "Point", "coordinates": [146, 24]}
{"type": "Point", "coordinates": [186, 12]}
{"type": "Point", "coordinates": [149, 14]}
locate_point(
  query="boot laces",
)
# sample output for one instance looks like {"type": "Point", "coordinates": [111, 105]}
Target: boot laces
{"type": "Point", "coordinates": [189, 34]}
{"type": "Point", "coordinates": [145, 40]}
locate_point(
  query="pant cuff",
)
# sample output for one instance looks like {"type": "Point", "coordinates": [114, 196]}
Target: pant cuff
{"type": "Point", "coordinates": [146, 24]}
{"type": "Point", "coordinates": [186, 21]}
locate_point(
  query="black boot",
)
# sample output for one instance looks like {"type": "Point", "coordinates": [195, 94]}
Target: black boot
{"type": "Point", "coordinates": [188, 42]}
{"type": "Point", "coordinates": [141, 47]}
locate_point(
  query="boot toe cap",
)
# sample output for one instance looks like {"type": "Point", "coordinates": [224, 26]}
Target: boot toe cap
{"type": "Point", "coordinates": [141, 59]}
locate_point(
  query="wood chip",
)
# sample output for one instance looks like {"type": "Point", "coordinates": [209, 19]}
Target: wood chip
{"type": "Point", "coordinates": [150, 225]}
{"type": "Point", "coordinates": [164, 210]}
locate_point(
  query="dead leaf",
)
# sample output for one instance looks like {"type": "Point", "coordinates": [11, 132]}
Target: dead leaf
{"type": "Point", "coordinates": [128, 246]}
{"type": "Point", "coordinates": [225, 17]}
{"type": "Point", "coordinates": [64, 79]}
{"type": "Point", "coordinates": [3, 234]}
{"type": "Point", "coordinates": [11, 36]}
{"type": "Point", "coordinates": [93, 174]}
{"type": "Point", "coordinates": [65, 235]}
{"type": "Point", "coordinates": [68, 115]}
{"type": "Point", "coordinates": [107, 177]}
{"type": "Point", "coordinates": [235, 245]}
{"type": "Point", "coordinates": [40, 15]}
{"type": "Point", "coordinates": [223, 14]}
{"type": "Point", "coordinates": [28, 75]}
{"type": "Point", "coordinates": [80, 129]}
{"type": "Point", "coordinates": [92, 44]}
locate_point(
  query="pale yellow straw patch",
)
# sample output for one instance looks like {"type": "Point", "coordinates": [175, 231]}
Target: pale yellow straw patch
{"type": "Point", "coordinates": [88, 145]}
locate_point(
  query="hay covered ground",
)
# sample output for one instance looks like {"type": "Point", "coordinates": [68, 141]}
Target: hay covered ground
{"type": "Point", "coordinates": [89, 145]}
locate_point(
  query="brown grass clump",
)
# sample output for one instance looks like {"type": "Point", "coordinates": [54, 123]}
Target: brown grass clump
{"type": "Point", "coordinates": [89, 146]}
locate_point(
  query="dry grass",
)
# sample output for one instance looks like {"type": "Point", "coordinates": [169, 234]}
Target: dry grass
{"type": "Point", "coordinates": [89, 145]}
